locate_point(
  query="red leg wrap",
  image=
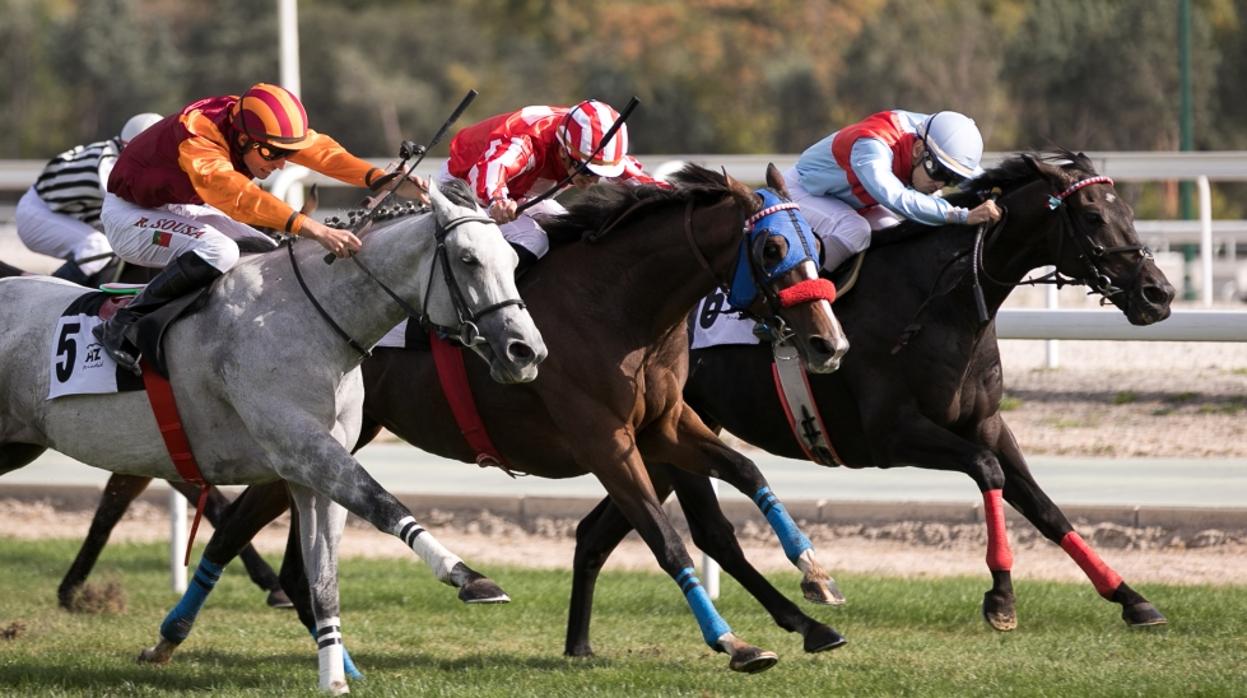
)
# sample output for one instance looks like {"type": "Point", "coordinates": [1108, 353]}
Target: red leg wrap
{"type": "Point", "coordinates": [1102, 576]}
{"type": "Point", "coordinates": [999, 557]}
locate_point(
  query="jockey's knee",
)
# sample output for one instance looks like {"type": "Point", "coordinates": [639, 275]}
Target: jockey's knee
{"type": "Point", "coordinates": [218, 251]}
{"type": "Point", "coordinates": [851, 236]}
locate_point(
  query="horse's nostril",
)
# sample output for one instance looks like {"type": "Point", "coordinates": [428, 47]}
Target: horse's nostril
{"type": "Point", "coordinates": [1158, 295]}
{"type": "Point", "coordinates": [520, 352]}
{"type": "Point", "coordinates": [820, 345]}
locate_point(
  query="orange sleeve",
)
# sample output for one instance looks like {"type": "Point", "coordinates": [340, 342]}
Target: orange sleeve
{"type": "Point", "coordinates": [207, 163]}
{"type": "Point", "coordinates": [328, 157]}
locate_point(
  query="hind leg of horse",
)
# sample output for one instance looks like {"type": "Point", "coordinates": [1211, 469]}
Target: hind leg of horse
{"type": "Point", "coordinates": [119, 493]}
{"type": "Point", "coordinates": [1025, 495]}
{"type": "Point", "coordinates": [913, 440]}
{"type": "Point", "coordinates": [321, 522]}
{"type": "Point", "coordinates": [251, 511]}
{"type": "Point", "coordinates": [692, 446]}
{"type": "Point", "coordinates": [630, 488]}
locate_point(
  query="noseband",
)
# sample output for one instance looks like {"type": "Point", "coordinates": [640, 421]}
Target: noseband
{"type": "Point", "coordinates": [466, 331]}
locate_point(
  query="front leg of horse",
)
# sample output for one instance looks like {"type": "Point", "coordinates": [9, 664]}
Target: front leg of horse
{"type": "Point", "coordinates": [1026, 496]}
{"type": "Point", "coordinates": [251, 511]}
{"type": "Point", "coordinates": [698, 450]}
{"type": "Point", "coordinates": [347, 483]}
{"type": "Point", "coordinates": [321, 522]}
{"type": "Point", "coordinates": [913, 440]}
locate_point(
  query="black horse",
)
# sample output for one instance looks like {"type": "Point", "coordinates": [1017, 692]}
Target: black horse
{"type": "Point", "coordinates": [922, 384]}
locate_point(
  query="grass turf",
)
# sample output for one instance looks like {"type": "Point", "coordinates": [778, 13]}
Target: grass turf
{"type": "Point", "coordinates": [411, 636]}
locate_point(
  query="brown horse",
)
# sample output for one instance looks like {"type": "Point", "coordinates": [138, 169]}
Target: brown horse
{"type": "Point", "coordinates": [923, 384]}
{"type": "Point", "coordinates": [608, 400]}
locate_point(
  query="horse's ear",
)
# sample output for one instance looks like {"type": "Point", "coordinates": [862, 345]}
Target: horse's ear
{"type": "Point", "coordinates": [775, 180]}
{"type": "Point", "coordinates": [1084, 162]}
{"type": "Point", "coordinates": [743, 194]}
{"type": "Point", "coordinates": [1045, 169]}
{"type": "Point", "coordinates": [441, 205]}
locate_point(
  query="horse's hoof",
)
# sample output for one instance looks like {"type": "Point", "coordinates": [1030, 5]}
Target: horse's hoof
{"type": "Point", "coordinates": [162, 653]}
{"type": "Point", "coordinates": [751, 660]}
{"type": "Point", "coordinates": [1142, 615]}
{"type": "Point", "coordinates": [998, 611]}
{"type": "Point", "coordinates": [579, 651]}
{"type": "Point", "coordinates": [337, 688]}
{"type": "Point", "coordinates": [822, 592]}
{"type": "Point", "coordinates": [821, 638]}
{"type": "Point", "coordinates": [278, 599]}
{"type": "Point", "coordinates": [482, 590]}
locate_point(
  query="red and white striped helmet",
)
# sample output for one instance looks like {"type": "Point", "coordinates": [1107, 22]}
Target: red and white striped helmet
{"type": "Point", "coordinates": [582, 130]}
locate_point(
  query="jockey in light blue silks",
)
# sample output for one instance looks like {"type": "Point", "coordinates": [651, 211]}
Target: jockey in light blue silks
{"type": "Point", "coordinates": [889, 165]}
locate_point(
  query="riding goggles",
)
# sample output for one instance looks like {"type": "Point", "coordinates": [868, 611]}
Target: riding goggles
{"type": "Point", "coordinates": [936, 170]}
{"type": "Point", "coordinates": [270, 152]}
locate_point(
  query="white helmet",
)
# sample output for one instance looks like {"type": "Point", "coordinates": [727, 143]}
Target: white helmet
{"type": "Point", "coordinates": [955, 142]}
{"type": "Point", "coordinates": [136, 125]}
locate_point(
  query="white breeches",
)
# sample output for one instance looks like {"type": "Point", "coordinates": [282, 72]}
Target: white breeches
{"type": "Point", "coordinates": [843, 230]}
{"type": "Point", "coordinates": [153, 237]}
{"type": "Point", "coordinates": [57, 235]}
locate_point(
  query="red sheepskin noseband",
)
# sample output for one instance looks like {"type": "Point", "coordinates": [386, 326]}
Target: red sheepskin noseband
{"type": "Point", "coordinates": [808, 291]}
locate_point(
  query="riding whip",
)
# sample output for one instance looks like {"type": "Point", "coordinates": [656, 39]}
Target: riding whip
{"type": "Point", "coordinates": [407, 150]}
{"type": "Point", "coordinates": [580, 167]}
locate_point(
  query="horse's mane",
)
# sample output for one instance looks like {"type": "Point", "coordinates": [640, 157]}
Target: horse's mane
{"type": "Point", "coordinates": [1009, 175]}
{"type": "Point", "coordinates": [606, 203]}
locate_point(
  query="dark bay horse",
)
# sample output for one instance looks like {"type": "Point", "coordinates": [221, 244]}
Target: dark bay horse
{"type": "Point", "coordinates": [608, 399]}
{"type": "Point", "coordinates": [923, 384]}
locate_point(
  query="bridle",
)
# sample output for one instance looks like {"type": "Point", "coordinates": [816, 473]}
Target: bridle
{"type": "Point", "coordinates": [1090, 254]}
{"type": "Point", "coordinates": [748, 278]}
{"type": "Point", "coordinates": [466, 330]}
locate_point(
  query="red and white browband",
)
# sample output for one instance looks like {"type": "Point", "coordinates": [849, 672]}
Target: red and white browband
{"type": "Point", "coordinates": [772, 209]}
{"type": "Point", "coordinates": [1055, 200]}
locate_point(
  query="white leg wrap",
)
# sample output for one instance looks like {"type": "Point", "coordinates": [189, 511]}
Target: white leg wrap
{"type": "Point", "coordinates": [434, 554]}
{"type": "Point", "coordinates": [805, 561]}
{"type": "Point", "coordinates": [329, 656]}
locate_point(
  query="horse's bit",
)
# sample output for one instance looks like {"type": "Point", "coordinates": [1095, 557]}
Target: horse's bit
{"type": "Point", "coordinates": [466, 332]}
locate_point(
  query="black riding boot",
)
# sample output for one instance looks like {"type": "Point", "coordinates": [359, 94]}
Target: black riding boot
{"type": "Point", "coordinates": [187, 273]}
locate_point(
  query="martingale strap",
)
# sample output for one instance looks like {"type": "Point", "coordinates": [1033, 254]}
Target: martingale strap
{"type": "Point", "coordinates": [164, 407]}
{"type": "Point", "coordinates": [792, 385]}
{"type": "Point", "coordinates": [452, 374]}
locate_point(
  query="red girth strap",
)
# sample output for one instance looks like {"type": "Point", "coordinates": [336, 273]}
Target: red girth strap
{"type": "Point", "coordinates": [160, 395]}
{"type": "Point", "coordinates": [807, 291]}
{"type": "Point", "coordinates": [453, 376]}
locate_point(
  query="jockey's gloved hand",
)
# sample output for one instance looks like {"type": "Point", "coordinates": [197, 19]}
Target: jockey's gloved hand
{"type": "Point", "coordinates": [503, 210]}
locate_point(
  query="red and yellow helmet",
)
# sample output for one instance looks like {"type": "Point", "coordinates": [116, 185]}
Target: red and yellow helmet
{"type": "Point", "coordinates": [582, 130]}
{"type": "Point", "coordinates": [273, 115]}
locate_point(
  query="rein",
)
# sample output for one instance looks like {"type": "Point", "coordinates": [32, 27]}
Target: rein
{"type": "Point", "coordinates": [466, 332]}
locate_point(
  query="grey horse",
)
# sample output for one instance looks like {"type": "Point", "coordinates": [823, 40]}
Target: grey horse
{"type": "Point", "coordinates": [267, 389]}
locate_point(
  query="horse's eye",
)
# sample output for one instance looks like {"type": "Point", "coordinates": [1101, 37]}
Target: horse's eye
{"type": "Point", "coordinates": [469, 259]}
{"type": "Point", "coordinates": [771, 252]}
{"type": "Point", "coordinates": [1093, 218]}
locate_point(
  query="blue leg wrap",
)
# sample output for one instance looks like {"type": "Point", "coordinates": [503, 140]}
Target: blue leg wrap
{"type": "Point", "coordinates": [177, 625]}
{"type": "Point", "coordinates": [348, 664]}
{"type": "Point", "coordinates": [790, 537]}
{"type": "Point", "coordinates": [712, 624]}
